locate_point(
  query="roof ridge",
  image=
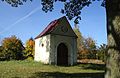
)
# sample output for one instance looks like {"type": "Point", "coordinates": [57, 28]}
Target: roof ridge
{"type": "Point", "coordinates": [50, 27]}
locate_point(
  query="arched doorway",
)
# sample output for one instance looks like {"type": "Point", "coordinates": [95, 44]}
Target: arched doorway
{"type": "Point", "coordinates": [62, 54]}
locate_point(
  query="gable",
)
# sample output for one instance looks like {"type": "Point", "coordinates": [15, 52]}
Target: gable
{"type": "Point", "coordinates": [48, 29]}
{"type": "Point", "coordinates": [60, 26]}
{"type": "Point", "coordinates": [63, 28]}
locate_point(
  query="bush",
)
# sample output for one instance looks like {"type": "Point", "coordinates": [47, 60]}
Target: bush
{"type": "Point", "coordinates": [12, 48]}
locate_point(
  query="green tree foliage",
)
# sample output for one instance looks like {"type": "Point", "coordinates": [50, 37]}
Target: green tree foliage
{"type": "Point", "coordinates": [29, 48]}
{"type": "Point", "coordinates": [79, 40]}
{"type": "Point", "coordinates": [86, 46]}
{"type": "Point", "coordinates": [1, 49]}
{"type": "Point", "coordinates": [1, 53]}
{"type": "Point", "coordinates": [101, 52]}
{"type": "Point", "coordinates": [88, 49]}
{"type": "Point", "coordinates": [72, 9]}
{"type": "Point", "coordinates": [79, 35]}
{"type": "Point", "coordinates": [15, 3]}
{"type": "Point", "coordinates": [12, 48]}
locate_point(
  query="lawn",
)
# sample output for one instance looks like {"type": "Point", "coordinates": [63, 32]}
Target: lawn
{"type": "Point", "coordinates": [31, 69]}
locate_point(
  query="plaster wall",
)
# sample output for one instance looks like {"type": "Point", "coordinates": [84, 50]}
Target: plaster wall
{"type": "Point", "coordinates": [42, 49]}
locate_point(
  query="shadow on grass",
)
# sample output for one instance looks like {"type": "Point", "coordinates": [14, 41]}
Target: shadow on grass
{"type": "Point", "coordinates": [66, 75]}
{"type": "Point", "coordinates": [93, 66]}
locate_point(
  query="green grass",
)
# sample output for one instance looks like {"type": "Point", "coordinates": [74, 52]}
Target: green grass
{"type": "Point", "coordinates": [31, 69]}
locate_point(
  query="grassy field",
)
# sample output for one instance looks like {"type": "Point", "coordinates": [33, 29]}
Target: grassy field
{"type": "Point", "coordinates": [31, 69]}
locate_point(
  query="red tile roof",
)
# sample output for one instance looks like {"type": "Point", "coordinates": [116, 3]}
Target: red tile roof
{"type": "Point", "coordinates": [51, 27]}
{"type": "Point", "coordinates": [48, 29]}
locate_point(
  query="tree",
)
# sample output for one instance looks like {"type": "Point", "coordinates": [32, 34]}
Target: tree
{"type": "Point", "coordinates": [29, 48]}
{"type": "Point", "coordinates": [79, 35]}
{"type": "Point", "coordinates": [1, 53]}
{"type": "Point", "coordinates": [12, 48]}
{"type": "Point", "coordinates": [90, 45]}
{"type": "Point", "coordinates": [101, 52]}
{"type": "Point", "coordinates": [88, 49]}
{"type": "Point", "coordinates": [72, 8]}
{"type": "Point", "coordinates": [1, 48]}
{"type": "Point", "coordinates": [79, 40]}
{"type": "Point", "coordinates": [86, 46]}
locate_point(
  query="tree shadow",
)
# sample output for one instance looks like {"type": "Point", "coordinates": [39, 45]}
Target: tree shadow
{"type": "Point", "coordinates": [93, 66]}
{"type": "Point", "coordinates": [66, 75]}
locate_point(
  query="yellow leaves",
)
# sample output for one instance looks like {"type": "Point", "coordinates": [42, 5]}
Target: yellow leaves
{"type": "Point", "coordinates": [13, 48]}
{"type": "Point", "coordinates": [11, 42]}
{"type": "Point", "coordinates": [29, 49]}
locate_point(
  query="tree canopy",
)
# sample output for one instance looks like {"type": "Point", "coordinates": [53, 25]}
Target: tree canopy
{"type": "Point", "coordinates": [12, 48]}
{"type": "Point", "coordinates": [86, 46]}
{"type": "Point", "coordinates": [29, 48]}
{"type": "Point", "coordinates": [72, 8]}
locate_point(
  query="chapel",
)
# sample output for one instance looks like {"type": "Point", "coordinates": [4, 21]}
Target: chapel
{"type": "Point", "coordinates": [57, 44]}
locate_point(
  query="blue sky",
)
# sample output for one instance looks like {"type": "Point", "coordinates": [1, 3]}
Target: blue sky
{"type": "Point", "coordinates": [29, 20]}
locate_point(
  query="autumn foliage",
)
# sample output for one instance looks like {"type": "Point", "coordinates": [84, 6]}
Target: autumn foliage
{"type": "Point", "coordinates": [12, 48]}
{"type": "Point", "coordinates": [29, 48]}
{"type": "Point", "coordinates": [87, 48]}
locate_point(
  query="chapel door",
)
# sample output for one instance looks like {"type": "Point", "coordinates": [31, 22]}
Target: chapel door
{"type": "Point", "coordinates": [62, 54]}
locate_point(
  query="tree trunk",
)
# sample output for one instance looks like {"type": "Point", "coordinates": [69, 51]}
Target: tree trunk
{"type": "Point", "coordinates": [113, 36]}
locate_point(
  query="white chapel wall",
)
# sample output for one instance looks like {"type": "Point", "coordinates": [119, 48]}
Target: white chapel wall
{"type": "Point", "coordinates": [42, 49]}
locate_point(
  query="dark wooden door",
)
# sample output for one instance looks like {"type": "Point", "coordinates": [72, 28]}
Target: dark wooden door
{"type": "Point", "coordinates": [62, 54]}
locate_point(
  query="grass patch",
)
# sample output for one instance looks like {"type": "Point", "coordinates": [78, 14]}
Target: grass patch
{"type": "Point", "coordinates": [31, 69]}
